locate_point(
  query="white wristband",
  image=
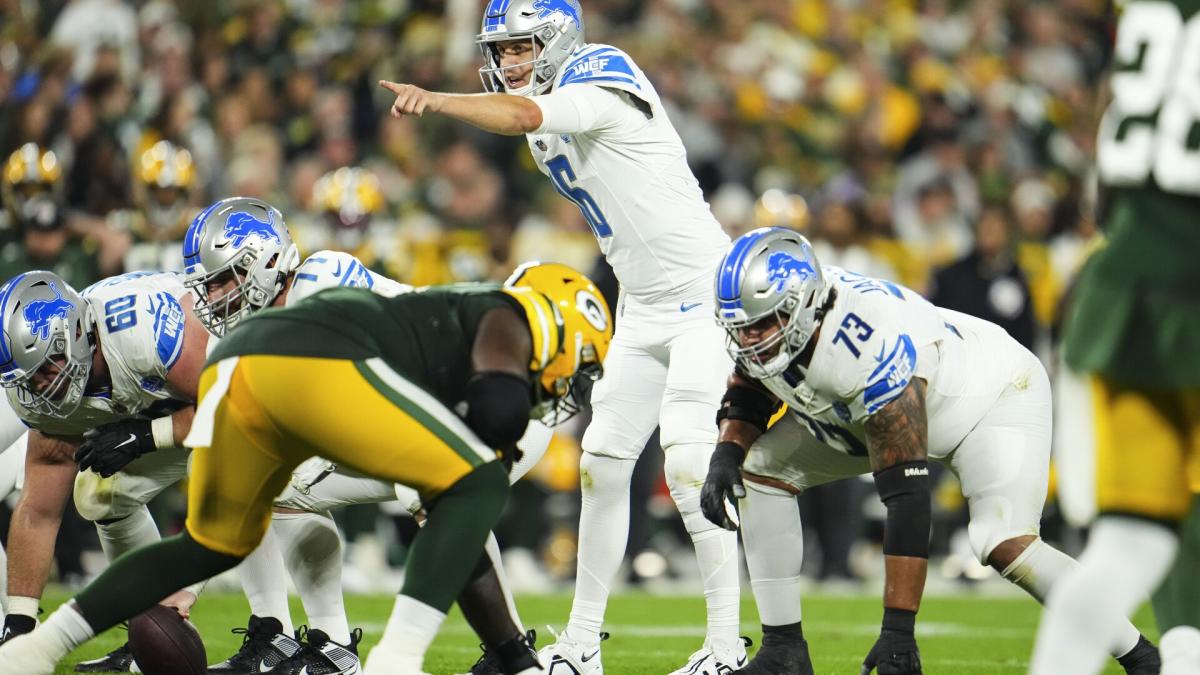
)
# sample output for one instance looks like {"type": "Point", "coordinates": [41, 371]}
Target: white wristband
{"type": "Point", "coordinates": [23, 606]}
{"type": "Point", "coordinates": [163, 429]}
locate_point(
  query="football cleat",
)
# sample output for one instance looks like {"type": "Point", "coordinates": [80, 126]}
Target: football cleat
{"type": "Point", "coordinates": [319, 655]}
{"type": "Point", "coordinates": [25, 655]}
{"type": "Point", "coordinates": [780, 656]}
{"type": "Point", "coordinates": [568, 657]}
{"type": "Point", "coordinates": [710, 661]}
{"type": "Point", "coordinates": [263, 648]}
{"type": "Point", "coordinates": [119, 660]}
{"type": "Point", "coordinates": [1143, 659]}
{"type": "Point", "coordinates": [489, 662]}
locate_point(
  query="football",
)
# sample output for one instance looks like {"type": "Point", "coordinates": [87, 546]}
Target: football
{"type": "Point", "coordinates": [164, 643]}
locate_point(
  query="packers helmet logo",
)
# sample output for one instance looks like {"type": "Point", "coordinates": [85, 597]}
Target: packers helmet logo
{"type": "Point", "coordinates": [589, 306]}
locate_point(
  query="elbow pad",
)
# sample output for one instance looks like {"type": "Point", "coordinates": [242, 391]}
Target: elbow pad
{"type": "Point", "coordinates": [905, 491]}
{"type": "Point", "coordinates": [747, 404]}
{"type": "Point", "coordinates": [498, 406]}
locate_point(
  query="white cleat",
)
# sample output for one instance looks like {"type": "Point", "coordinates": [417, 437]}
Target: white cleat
{"type": "Point", "coordinates": [25, 655]}
{"type": "Point", "coordinates": [715, 661]}
{"type": "Point", "coordinates": [568, 657]}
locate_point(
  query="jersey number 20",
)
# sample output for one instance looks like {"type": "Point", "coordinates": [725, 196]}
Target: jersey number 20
{"type": "Point", "coordinates": [1157, 69]}
{"type": "Point", "coordinates": [563, 175]}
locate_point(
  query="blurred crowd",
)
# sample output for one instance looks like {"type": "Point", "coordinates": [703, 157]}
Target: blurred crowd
{"type": "Point", "coordinates": [945, 144]}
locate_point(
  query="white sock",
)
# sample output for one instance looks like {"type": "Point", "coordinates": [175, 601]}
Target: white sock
{"type": "Point", "coordinates": [603, 535]}
{"type": "Point", "coordinates": [407, 637]}
{"type": "Point", "coordinates": [312, 550]}
{"type": "Point", "coordinates": [264, 581]}
{"type": "Point", "coordinates": [1124, 561]}
{"type": "Point", "coordinates": [24, 606]}
{"type": "Point", "coordinates": [491, 548]}
{"type": "Point", "coordinates": [716, 548]}
{"type": "Point", "coordinates": [65, 630]}
{"type": "Point", "coordinates": [1180, 651]}
{"type": "Point", "coordinates": [774, 541]}
{"type": "Point", "coordinates": [121, 536]}
{"type": "Point", "coordinates": [1040, 567]}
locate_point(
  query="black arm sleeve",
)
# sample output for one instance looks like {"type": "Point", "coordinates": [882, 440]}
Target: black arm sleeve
{"type": "Point", "coordinates": [498, 406]}
{"type": "Point", "coordinates": [905, 491]}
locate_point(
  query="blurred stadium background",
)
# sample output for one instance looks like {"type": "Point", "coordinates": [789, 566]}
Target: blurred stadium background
{"type": "Point", "coordinates": [944, 144]}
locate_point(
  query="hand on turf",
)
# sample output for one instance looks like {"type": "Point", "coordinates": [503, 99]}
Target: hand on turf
{"type": "Point", "coordinates": [181, 601]}
{"type": "Point", "coordinates": [723, 485]}
{"type": "Point", "coordinates": [411, 99]}
{"type": "Point", "coordinates": [894, 653]}
{"type": "Point", "coordinates": [109, 448]}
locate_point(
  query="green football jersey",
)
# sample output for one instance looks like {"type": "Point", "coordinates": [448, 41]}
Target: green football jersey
{"type": "Point", "coordinates": [1136, 314]}
{"type": "Point", "coordinates": [425, 336]}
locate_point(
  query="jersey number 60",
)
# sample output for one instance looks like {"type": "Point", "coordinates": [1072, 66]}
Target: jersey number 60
{"type": "Point", "coordinates": [563, 175]}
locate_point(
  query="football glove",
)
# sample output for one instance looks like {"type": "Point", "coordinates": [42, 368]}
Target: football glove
{"type": "Point", "coordinates": [109, 448]}
{"type": "Point", "coordinates": [723, 486]}
{"type": "Point", "coordinates": [895, 652]}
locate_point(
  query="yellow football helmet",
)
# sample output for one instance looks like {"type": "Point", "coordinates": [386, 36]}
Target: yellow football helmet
{"type": "Point", "coordinates": [30, 171]}
{"type": "Point", "coordinates": [571, 328]}
{"type": "Point", "coordinates": [350, 195]}
{"type": "Point", "coordinates": [166, 181]}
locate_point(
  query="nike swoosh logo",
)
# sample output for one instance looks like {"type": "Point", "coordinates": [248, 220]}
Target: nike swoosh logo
{"type": "Point", "coordinates": [684, 307]}
{"type": "Point", "coordinates": [132, 439]}
{"type": "Point", "coordinates": [589, 657]}
{"type": "Point", "coordinates": [741, 662]}
{"type": "Point", "coordinates": [338, 271]}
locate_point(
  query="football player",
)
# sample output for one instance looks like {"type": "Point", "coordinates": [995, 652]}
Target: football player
{"type": "Point", "coordinates": [241, 259]}
{"type": "Point", "coordinates": [597, 128]}
{"type": "Point", "coordinates": [107, 377]}
{"type": "Point", "coordinates": [402, 363]}
{"type": "Point", "coordinates": [1132, 330]}
{"type": "Point", "coordinates": [876, 379]}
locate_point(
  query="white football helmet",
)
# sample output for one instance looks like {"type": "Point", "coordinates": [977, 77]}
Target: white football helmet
{"type": "Point", "coordinates": [554, 27]}
{"type": "Point", "coordinates": [770, 273]}
{"type": "Point", "coordinates": [47, 327]}
{"type": "Point", "coordinates": [247, 239]}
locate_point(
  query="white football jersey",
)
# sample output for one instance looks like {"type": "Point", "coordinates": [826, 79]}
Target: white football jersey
{"type": "Point", "coordinates": [330, 269]}
{"type": "Point", "coordinates": [879, 335]}
{"type": "Point", "coordinates": [632, 182]}
{"type": "Point", "coordinates": [139, 323]}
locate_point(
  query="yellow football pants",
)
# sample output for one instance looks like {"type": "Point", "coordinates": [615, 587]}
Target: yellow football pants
{"type": "Point", "coordinates": [1148, 450]}
{"type": "Point", "coordinates": [260, 416]}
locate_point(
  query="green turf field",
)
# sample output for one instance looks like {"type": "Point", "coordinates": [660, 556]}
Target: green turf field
{"type": "Point", "coordinates": [653, 635]}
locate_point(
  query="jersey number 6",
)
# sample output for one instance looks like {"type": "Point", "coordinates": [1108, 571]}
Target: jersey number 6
{"type": "Point", "coordinates": [563, 175]}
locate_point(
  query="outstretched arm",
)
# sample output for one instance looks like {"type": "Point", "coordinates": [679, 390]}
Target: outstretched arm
{"type": "Point", "coordinates": [498, 113]}
{"type": "Point", "coordinates": [897, 442]}
{"type": "Point", "coordinates": [49, 482]}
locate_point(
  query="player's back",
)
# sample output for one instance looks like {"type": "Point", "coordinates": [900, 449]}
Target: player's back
{"type": "Point", "coordinates": [334, 269]}
{"type": "Point", "coordinates": [425, 336]}
{"type": "Point", "coordinates": [140, 328]}
{"type": "Point", "coordinates": [1136, 310]}
{"type": "Point", "coordinates": [632, 182]}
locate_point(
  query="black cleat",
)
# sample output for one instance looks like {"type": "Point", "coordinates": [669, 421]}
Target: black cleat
{"type": "Point", "coordinates": [1143, 659]}
{"type": "Point", "coordinates": [490, 663]}
{"type": "Point", "coordinates": [263, 648]}
{"type": "Point", "coordinates": [119, 660]}
{"type": "Point", "coordinates": [781, 653]}
{"type": "Point", "coordinates": [319, 655]}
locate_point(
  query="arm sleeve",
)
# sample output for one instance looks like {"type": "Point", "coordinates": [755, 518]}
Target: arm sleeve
{"type": "Point", "coordinates": [579, 108]}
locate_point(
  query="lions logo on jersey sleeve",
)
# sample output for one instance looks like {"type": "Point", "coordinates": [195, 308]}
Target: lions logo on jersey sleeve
{"type": "Point", "coordinates": [864, 357]}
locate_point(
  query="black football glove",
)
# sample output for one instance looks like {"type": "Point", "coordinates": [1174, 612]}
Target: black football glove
{"type": "Point", "coordinates": [723, 484]}
{"type": "Point", "coordinates": [109, 448]}
{"type": "Point", "coordinates": [895, 652]}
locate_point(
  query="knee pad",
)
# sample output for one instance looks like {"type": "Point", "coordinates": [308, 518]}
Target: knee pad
{"type": "Point", "coordinates": [602, 477]}
{"type": "Point", "coordinates": [987, 531]}
{"type": "Point", "coordinates": [686, 467]}
{"type": "Point", "coordinates": [97, 499]}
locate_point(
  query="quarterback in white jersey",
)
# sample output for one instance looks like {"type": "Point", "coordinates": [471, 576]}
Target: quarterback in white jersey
{"type": "Point", "coordinates": [598, 130]}
{"type": "Point", "coordinates": [241, 259]}
{"type": "Point", "coordinates": [875, 379]}
{"type": "Point", "coordinates": [106, 378]}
